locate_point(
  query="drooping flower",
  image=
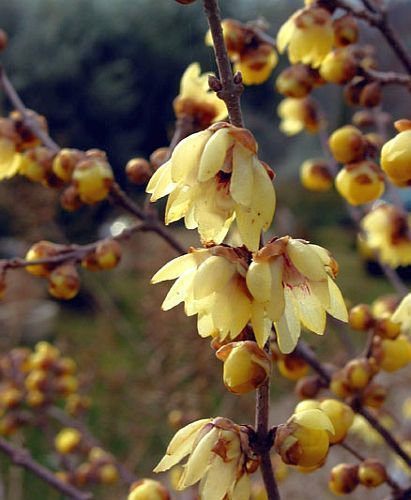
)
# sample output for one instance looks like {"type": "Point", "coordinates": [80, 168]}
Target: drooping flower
{"type": "Point", "coordinates": [298, 115]}
{"type": "Point", "coordinates": [292, 282]}
{"type": "Point", "coordinates": [218, 457]}
{"type": "Point", "coordinates": [9, 164]}
{"type": "Point", "coordinates": [197, 100]}
{"type": "Point", "coordinates": [214, 177]}
{"type": "Point", "coordinates": [211, 283]}
{"type": "Point", "coordinates": [251, 55]}
{"type": "Point", "coordinates": [309, 36]}
{"type": "Point", "coordinates": [387, 232]}
{"type": "Point", "coordinates": [360, 182]}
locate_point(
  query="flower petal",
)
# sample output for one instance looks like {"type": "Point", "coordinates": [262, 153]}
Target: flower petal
{"type": "Point", "coordinates": [312, 314]}
{"type": "Point", "coordinates": [212, 275]}
{"type": "Point", "coordinates": [275, 307]}
{"type": "Point", "coordinates": [219, 479]}
{"type": "Point", "coordinates": [337, 307]}
{"type": "Point", "coordinates": [242, 177]}
{"type": "Point", "coordinates": [213, 156]}
{"type": "Point", "coordinates": [288, 327]}
{"type": "Point", "coordinates": [260, 323]}
{"type": "Point", "coordinates": [179, 265]}
{"type": "Point", "coordinates": [306, 260]}
{"type": "Point", "coordinates": [186, 157]}
{"type": "Point", "coordinates": [179, 291]}
{"type": "Point", "coordinates": [161, 183]}
{"type": "Point", "coordinates": [259, 281]}
{"type": "Point", "coordinates": [314, 419]}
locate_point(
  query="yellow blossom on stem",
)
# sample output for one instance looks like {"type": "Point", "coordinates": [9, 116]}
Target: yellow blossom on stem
{"type": "Point", "coordinates": [360, 182]}
{"type": "Point", "coordinates": [257, 64]}
{"type": "Point", "coordinates": [309, 36]}
{"type": "Point", "coordinates": [396, 155]}
{"type": "Point", "coordinates": [214, 177]}
{"type": "Point", "coordinates": [148, 489]}
{"type": "Point", "coordinates": [402, 314]}
{"type": "Point", "coordinates": [196, 100]}
{"type": "Point", "coordinates": [298, 115]}
{"type": "Point", "coordinates": [211, 283]}
{"type": "Point", "coordinates": [292, 283]}
{"type": "Point", "coordinates": [216, 457]}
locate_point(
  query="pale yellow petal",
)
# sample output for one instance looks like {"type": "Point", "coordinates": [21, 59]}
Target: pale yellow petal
{"type": "Point", "coordinates": [9, 159]}
{"type": "Point", "coordinates": [337, 307]}
{"type": "Point", "coordinates": [178, 204]}
{"type": "Point", "coordinates": [275, 307]}
{"type": "Point", "coordinates": [161, 183]}
{"type": "Point", "coordinates": [213, 156]}
{"type": "Point", "coordinates": [258, 216]}
{"type": "Point", "coordinates": [312, 314]}
{"type": "Point", "coordinates": [306, 260]}
{"type": "Point", "coordinates": [285, 34]}
{"type": "Point", "coordinates": [205, 325]}
{"type": "Point", "coordinates": [220, 477]}
{"type": "Point", "coordinates": [321, 291]}
{"type": "Point", "coordinates": [259, 281]}
{"type": "Point", "coordinates": [242, 489]}
{"type": "Point", "coordinates": [179, 265]}
{"type": "Point", "coordinates": [288, 327]}
{"type": "Point", "coordinates": [181, 444]}
{"type": "Point", "coordinates": [242, 177]}
{"type": "Point", "coordinates": [314, 419]}
{"type": "Point", "coordinates": [186, 157]}
{"type": "Point", "coordinates": [199, 461]}
{"type": "Point", "coordinates": [179, 291]}
{"type": "Point", "coordinates": [212, 275]}
{"type": "Point", "coordinates": [260, 323]}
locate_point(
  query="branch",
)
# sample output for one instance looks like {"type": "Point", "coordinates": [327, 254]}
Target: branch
{"type": "Point", "coordinates": [388, 77]}
{"type": "Point", "coordinates": [22, 458]}
{"type": "Point", "coordinates": [228, 88]}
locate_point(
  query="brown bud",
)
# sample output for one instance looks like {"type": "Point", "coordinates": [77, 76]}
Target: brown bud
{"type": "Point", "coordinates": [64, 282]}
{"type": "Point", "coordinates": [372, 473]}
{"type": "Point", "coordinates": [70, 199]}
{"type": "Point", "coordinates": [343, 479]}
{"type": "Point", "coordinates": [402, 125]}
{"type": "Point", "coordinates": [308, 387]}
{"type": "Point", "coordinates": [386, 328]}
{"type": "Point", "coordinates": [159, 156]}
{"type": "Point", "coordinates": [3, 40]}
{"type": "Point", "coordinates": [138, 171]}
{"type": "Point", "coordinates": [345, 30]}
{"type": "Point", "coordinates": [374, 396]}
{"type": "Point", "coordinates": [363, 118]}
{"type": "Point", "coordinates": [358, 372]}
{"type": "Point", "coordinates": [360, 317]}
{"type": "Point", "coordinates": [371, 95]}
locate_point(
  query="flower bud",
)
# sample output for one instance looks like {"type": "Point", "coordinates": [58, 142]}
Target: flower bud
{"type": "Point", "coordinates": [341, 416]}
{"type": "Point", "coordinates": [347, 144]}
{"type": "Point", "coordinates": [84, 474]}
{"type": "Point", "coordinates": [304, 440]}
{"type": "Point", "coordinates": [292, 367]}
{"type": "Point", "coordinates": [246, 366]}
{"type": "Point", "coordinates": [36, 164]}
{"type": "Point", "coordinates": [70, 199]}
{"type": "Point", "coordinates": [343, 479]}
{"type": "Point", "coordinates": [9, 424]}
{"type": "Point", "coordinates": [93, 178]}
{"type": "Point", "coordinates": [363, 118]}
{"type": "Point", "coordinates": [10, 397]}
{"type": "Point", "coordinates": [392, 355]}
{"type": "Point", "coordinates": [64, 282]}
{"type": "Point", "coordinates": [315, 175]}
{"type": "Point", "coordinates": [372, 473]}
{"type": "Point", "coordinates": [345, 30]}
{"type": "Point", "coordinates": [65, 162]}
{"type": "Point", "coordinates": [358, 372]}
{"type": "Point", "coordinates": [65, 366]}
{"type": "Point", "coordinates": [386, 328]}
{"type": "Point", "coordinates": [370, 95]}
{"type": "Point", "coordinates": [385, 306]}
{"type": "Point", "coordinates": [360, 182]}
{"type": "Point", "coordinates": [339, 385]}
{"type": "Point", "coordinates": [35, 398]}
{"type": "Point", "coordinates": [295, 81]}
{"type": "Point", "coordinates": [44, 356]}
{"type": "Point", "coordinates": [396, 157]}
{"type": "Point", "coordinates": [360, 317]}
{"type": "Point", "coordinates": [42, 250]}
{"type": "Point", "coordinates": [67, 440]}
{"type": "Point", "coordinates": [148, 489]}
{"type": "Point", "coordinates": [36, 380]}
{"type": "Point", "coordinates": [159, 156]}
{"type": "Point", "coordinates": [374, 395]}
{"type": "Point", "coordinates": [308, 387]}
{"type": "Point", "coordinates": [138, 171]}
{"type": "Point", "coordinates": [375, 143]}
{"type": "Point", "coordinates": [108, 474]}
{"type": "Point", "coordinates": [67, 384]}
{"type": "Point", "coordinates": [106, 256]}
{"type": "Point", "coordinates": [338, 67]}
{"type": "Point", "coordinates": [76, 404]}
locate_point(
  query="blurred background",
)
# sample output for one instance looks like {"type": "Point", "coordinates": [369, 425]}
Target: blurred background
{"type": "Point", "coordinates": [105, 74]}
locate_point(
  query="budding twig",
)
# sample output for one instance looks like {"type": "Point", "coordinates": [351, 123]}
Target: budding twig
{"type": "Point", "coordinates": [22, 458]}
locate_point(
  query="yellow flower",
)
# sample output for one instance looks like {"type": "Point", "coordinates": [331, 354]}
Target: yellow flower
{"type": "Point", "coordinates": [211, 283]}
{"type": "Point", "coordinates": [304, 439]}
{"type": "Point", "coordinates": [214, 177]}
{"type": "Point", "coordinates": [360, 182]}
{"type": "Point", "coordinates": [257, 64]}
{"type": "Point", "coordinates": [298, 115]}
{"type": "Point", "coordinates": [387, 232]}
{"type": "Point", "coordinates": [402, 314]}
{"type": "Point", "coordinates": [396, 157]}
{"type": "Point", "coordinates": [148, 489]}
{"type": "Point", "coordinates": [291, 282]}
{"type": "Point", "coordinates": [216, 457]}
{"type": "Point", "coordinates": [315, 175]}
{"type": "Point", "coordinates": [9, 159]}
{"type": "Point", "coordinates": [309, 36]}
{"type": "Point", "coordinates": [197, 100]}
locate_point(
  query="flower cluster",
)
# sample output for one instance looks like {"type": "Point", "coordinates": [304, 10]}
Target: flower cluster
{"type": "Point", "coordinates": [249, 52]}
{"type": "Point", "coordinates": [286, 283]}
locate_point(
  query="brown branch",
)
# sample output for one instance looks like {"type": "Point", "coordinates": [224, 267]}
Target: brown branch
{"type": "Point", "coordinates": [228, 87]}
{"type": "Point", "coordinates": [22, 458]}
{"type": "Point", "coordinates": [388, 77]}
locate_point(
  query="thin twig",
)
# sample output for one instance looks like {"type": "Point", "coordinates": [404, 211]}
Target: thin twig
{"type": "Point", "coordinates": [228, 88]}
{"type": "Point", "coordinates": [22, 458]}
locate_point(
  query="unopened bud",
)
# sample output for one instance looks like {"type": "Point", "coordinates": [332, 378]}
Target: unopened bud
{"type": "Point", "coordinates": [70, 199]}
{"type": "Point", "coordinates": [347, 144]}
{"type": "Point", "coordinates": [374, 395]}
{"type": "Point", "coordinates": [371, 95]}
{"type": "Point", "coordinates": [67, 440]}
{"type": "Point", "coordinates": [108, 474]}
{"type": "Point", "coordinates": [42, 250]}
{"type": "Point", "coordinates": [360, 317]}
{"type": "Point", "coordinates": [246, 366]}
{"type": "Point", "coordinates": [341, 416]}
{"type": "Point", "coordinates": [358, 372]}
{"type": "Point", "coordinates": [138, 171]}
{"type": "Point", "coordinates": [292, 366]}
{"type": "Point", "coordinates": [93, 178]}
{"type": "Point", "coordinates": [315, 175]}
{"type": "Point", "coordinates": [65, 162]}
{"type": "Point", "coordinates": [386, 328]}
{"type": "Point", "coordinates": [343, 479]}
{"type": "Point", "coordinates": [308, 387]}
{"type": "Point", "coordinates": [148, 489]}
{"type": "Point", "coordinates": [159, 156]}
{"type": "Point", "coordinates": [372, 473]}
{"type": "Point", "coordinates": [345, 30]}
{"type": "Point", "coordinates": [64, 282]}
